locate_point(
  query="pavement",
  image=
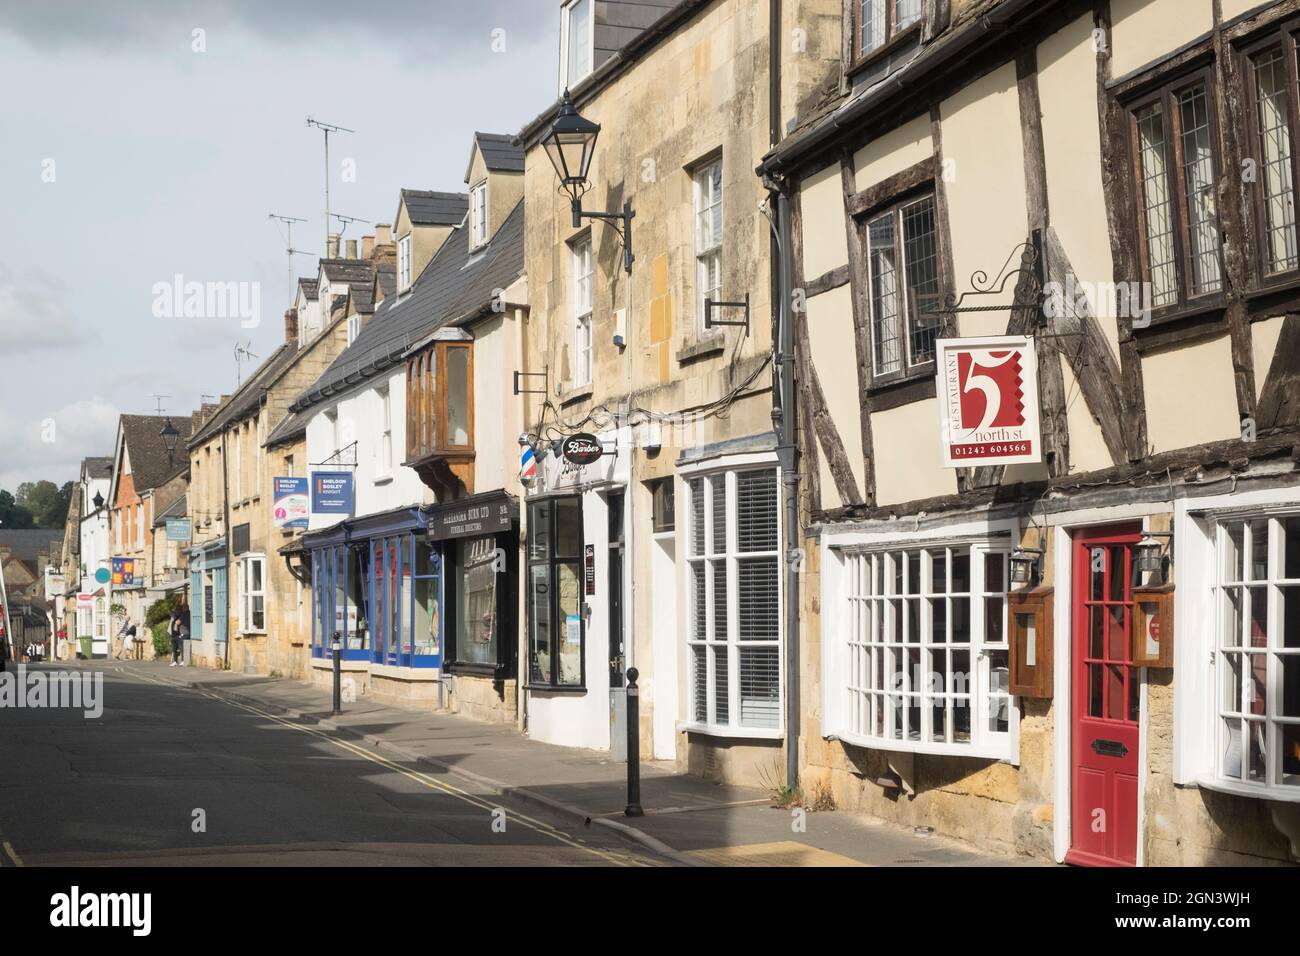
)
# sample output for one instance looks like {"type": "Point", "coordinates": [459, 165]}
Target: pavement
{"type": "Point", "coordinates": [577, 793]}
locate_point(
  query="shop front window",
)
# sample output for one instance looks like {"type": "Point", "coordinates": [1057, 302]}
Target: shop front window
{"type": "Point", "coordinates": [426, 634]}
{"type": "Point", "coordinates": [476, 601]}
{"type": "Point", "coordinates": [556, 629]}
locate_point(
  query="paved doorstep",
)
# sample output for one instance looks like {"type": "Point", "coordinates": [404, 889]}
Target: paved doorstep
{"type": "Point", "coordinates": [687, 819]}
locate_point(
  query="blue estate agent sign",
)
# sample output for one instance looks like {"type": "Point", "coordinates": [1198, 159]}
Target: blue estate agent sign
{"type": "Point", "coordinates": [291, 507]}
{"type": "Point", "coordinates": [332, 493]}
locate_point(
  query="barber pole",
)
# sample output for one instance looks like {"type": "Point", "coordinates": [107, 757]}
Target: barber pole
{"type": "Point", "coordinates": [527, 465]}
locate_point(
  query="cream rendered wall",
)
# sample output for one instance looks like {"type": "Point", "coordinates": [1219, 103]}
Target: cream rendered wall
{"type": "Point", "coordinates": [1067, 91]}
{"type": "Point", "coordinates": [1263, 344]}
{"type": "Point", "coordinates": [1233, 8]}
{"type": "Point", "coordinates": [1190, 395]}
{"type": "Point", "coordinates": [497, 420]}
{"type": "Point", "coordinates": [1088, 450]}
{"type": "Point", "coordinates": [1143, 31]}
{"type": "Point", "coordinates": [825, 242]}
{"type": "Point", "coordinates": [986, 196]}
{"type": "Point", "coordinates": [892, 153]}
{"type": "Point", "coordinates": [909, 460]}
{"type": "Point", "coordinates": [830, 341]}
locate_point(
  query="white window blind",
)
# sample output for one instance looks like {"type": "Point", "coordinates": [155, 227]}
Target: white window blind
{"type": "Point", "coordinates": [734, 636]}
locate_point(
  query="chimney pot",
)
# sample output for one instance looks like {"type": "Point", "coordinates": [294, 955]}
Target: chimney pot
{"type": "Point", "coordinates": [332, 246]}
{"type": "Point", "coordinates": [352, 248]}
{"type": "Point", "coordinates": [367, 247]}
{"type": "Point", "coordinates": [383, 233]}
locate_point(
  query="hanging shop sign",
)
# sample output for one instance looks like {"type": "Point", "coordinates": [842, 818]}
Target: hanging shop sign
{"type": "Point", "coordinates": [473, 517]}
{"type": "Point", "coordinates": [988, 401]}
{"type": "Point", "coordinates": [291, 502]}
{"type": "Point", "coordinates": [102, 575]}
{"type": "Point", "coordinates": [124, 572]}
{"type": "Point", "coordinates": [581, 449]}
{"type": "Point", "coordinates": [332, 492]}
{"type": "Point", "coordinates": [178, 529]}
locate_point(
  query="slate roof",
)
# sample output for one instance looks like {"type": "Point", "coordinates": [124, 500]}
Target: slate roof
{"type": "Point", "coordinates": [97, 467]}
{"type": "Point", "coordinates": [310, 287]}
{"type": "Point", "coordinates": [150, 466]}
{"type": "Point", "coordinates": [292, 427]}
{"type": "Point", "coordinates": [177, 509]}
{"type": "Point", "coordinates": [25, 543]}
{"type": "Point", "coordinates": [248, 396]}
{"type": "Point", "coordinates": [427, 208]}
{"type": "Point", "coordinates": [500, 154]}
{"type": "Point", "coordinates": [351, 271]}
{"type": "Point", "coordinates": [455, 286]}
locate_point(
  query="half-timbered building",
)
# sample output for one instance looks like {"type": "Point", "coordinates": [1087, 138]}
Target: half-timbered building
{"type": "Point", "coordinates": [1078, 216]}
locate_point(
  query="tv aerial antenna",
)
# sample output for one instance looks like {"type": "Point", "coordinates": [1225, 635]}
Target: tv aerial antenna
{"type": "Point", "coordinates": [327, 128]}
{"type": "Point", "coordinates": [289, 250]}
{"type": "Point", "coordinates": [346, 221]}
{"type": "Point", "coordinates": [158, 402]}
{"type": "Point", "coordinates": [242, 353]}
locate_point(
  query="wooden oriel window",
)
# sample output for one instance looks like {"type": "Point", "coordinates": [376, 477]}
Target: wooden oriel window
{"type": "Point", "coordinates": [1175, 160]}
{"type": "Point", "coordinates": [439, 396]}
{"type": "Point", "coordinates": [904, 281]}
{"type": "Point", "coordinates": [1270, 74]}
{"type": "Point", "coordinates": [877, 23]}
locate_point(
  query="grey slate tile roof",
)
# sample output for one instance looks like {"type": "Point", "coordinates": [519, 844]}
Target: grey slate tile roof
{"type": "Point", "coordinates": [292, 427]}
{"type": "Point", "coordinates": [25, 543]}
{"type": "Point", "coordinates": [150, 466]}
{"type": "Point", "coordinates": [454, 286]}
{"type": "Point", "coordinates": [500, 154]}
{"type": "Point", "coordinates": [248, 396]}
{"type": "Point", "coordinates": [97, 467]}
{"type": "Point", "coordinates": [427, 208]}
{"type": "Point", "coordinates": [177, 509]}
{"type": "Point", "coordinates": [309, 287]}
{"type": "Point", "coordinates": [351, 271]}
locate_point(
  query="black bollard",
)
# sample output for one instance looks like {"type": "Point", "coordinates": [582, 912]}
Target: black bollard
{"type": "Point", "coordinates": [338, 675]}
{"type": "Point", "coordinates": [633, 808]}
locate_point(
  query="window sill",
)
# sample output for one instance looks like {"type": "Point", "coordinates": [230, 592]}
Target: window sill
{"type": "Point", "coordinates": [576, 394]}
{"type": "Point", "coordinates": [914, 386]}
{"type": "Point", "coordinates": [553, 689]}
{"type": "Point", "coordinates": [921, 747]}
{"type": "Point", "coordinates": [735, 733]}
{"type": "Point", "coordinates": [712, 344]}
{"type": "Point", "coordinates": [1279, 794]}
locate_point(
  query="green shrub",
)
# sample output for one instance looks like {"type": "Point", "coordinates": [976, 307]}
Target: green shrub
{"type": "Point", "coordinates": [161, 610]}
{"type": "Point", "coordinates": [162, 642]}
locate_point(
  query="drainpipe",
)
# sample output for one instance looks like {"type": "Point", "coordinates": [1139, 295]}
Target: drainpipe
{"type": "Point", "coordinates": [230, 577]}
{"type": "Point", "coordinates": [783, 407]}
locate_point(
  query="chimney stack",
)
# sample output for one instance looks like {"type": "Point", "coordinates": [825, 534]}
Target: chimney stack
{"type": "Point", "coordinates": [383, 233]}
{"type": "Point", "coordinates": [367, 247]}
{"type": "Point", "coordinates": [352, 249]}
{"type": "Point", "coordinates": [332, 246]}
{"type": "Point", "coordinates": [291, 325]}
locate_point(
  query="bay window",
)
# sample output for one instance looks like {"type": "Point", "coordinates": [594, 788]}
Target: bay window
{"type": "Point", "coordinates": [439, 406]}
{"type": "Point", "coordinates": [1257, 653]}
{"type": "Point", "coordinates": [734, 601]}
{"type": "Point", "coordinates": [918, 653]}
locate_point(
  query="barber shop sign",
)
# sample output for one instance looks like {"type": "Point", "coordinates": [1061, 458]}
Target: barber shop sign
{"type": "Point", "coordinates": [988, 401]}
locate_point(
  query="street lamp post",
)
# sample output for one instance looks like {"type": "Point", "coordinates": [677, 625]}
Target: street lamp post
{"type": "Point", "coordinates": [570, 143]}
{"type": "Point", "coordinates": [169, 437]}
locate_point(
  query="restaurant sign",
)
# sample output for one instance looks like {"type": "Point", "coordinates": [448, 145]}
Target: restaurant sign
{"type": "Point", "coordinates": [988, 401]}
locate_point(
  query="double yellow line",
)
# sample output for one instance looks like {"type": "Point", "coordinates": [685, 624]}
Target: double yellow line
{"type": "Point", "coordinates": [423, 779]}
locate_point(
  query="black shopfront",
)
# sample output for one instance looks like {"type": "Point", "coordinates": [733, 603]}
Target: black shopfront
{"type": "Point", "coordinates": [478, 538]}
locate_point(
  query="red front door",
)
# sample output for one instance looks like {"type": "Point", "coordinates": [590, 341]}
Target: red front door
{"type": "Point", "coordinates": [1104, 723]}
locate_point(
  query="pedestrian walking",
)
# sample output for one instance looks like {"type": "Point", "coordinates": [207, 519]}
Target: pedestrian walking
{"type": "Point", "coordinates": [174, 631]}
{"type": "Point", "coordinates": [128, 641]}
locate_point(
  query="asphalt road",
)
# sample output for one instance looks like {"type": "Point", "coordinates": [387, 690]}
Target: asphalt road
{"type": "Point", "coordinates": [130, 788]}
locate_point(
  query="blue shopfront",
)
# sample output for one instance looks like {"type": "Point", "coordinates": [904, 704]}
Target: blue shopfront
{"type": "Point", "coordinates": [377, 584]}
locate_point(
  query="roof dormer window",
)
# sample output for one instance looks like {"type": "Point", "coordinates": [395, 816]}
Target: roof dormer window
{"type": "Point", "coordinates": [404, 263]}
{"type": "Point", "coordinates": [478, 224]}
{"type": "Point", "coordinates": [576, 47]}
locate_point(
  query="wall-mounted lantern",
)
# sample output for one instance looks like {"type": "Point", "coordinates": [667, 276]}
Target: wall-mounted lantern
{"type": "Point", "coordinates": [570, 143]}
{"type": "Point", "coordinates": [1149, 554]}
{"type": "Point", "coordinates": [1026, 565]}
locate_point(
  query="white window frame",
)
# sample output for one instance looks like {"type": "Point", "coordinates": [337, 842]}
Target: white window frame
{"type": "Point", "coordinates": [839, 626]}
{"type": "Point", "coordinates": [384, 447]}
{"type": "Point", "coordinates": [354, 327]}
{"type": "Point", "coordinates": [478, 215]}
{"type": "Point", "coordinates": [566, 13]}
{"type": "Point", "coordinates": [139, 525]}
{"type": "Point", "coordinates": [726, 471]}
{"type": "Point", "coordinates": [246, 596]}
{"type": "Point", "coordinates": [581, 254]}
{"type": "Point", "coordinates": [708, 244]}
{"type": "Point", "coordinates": [404, 263]}
{"type": "Point", "coordinates": [117, 532]}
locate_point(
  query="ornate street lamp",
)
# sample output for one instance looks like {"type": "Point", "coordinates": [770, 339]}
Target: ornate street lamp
{"type": "Point", "coordinates": [169, 436]}
{"type": "Point", "coordinates": [570, 144]}
{"type": "Point", "coordinates": [98, 501]}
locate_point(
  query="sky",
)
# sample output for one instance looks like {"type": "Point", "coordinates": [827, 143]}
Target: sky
{"type": "Point", "coordinates": [142, 140]}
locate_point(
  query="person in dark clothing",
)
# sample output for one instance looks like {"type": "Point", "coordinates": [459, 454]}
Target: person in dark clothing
{"type": "Point", "coordinates": [178, 630]}
{"type": "Point", "coordinates": [4, 652]}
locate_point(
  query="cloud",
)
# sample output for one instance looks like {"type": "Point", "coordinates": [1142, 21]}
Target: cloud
{"type": "Point", "coordinates": [33, 318]}
{"type": "Point", "coordinates": [440, 28]}
{"type": "Point", "coordinates": [50, 444]}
